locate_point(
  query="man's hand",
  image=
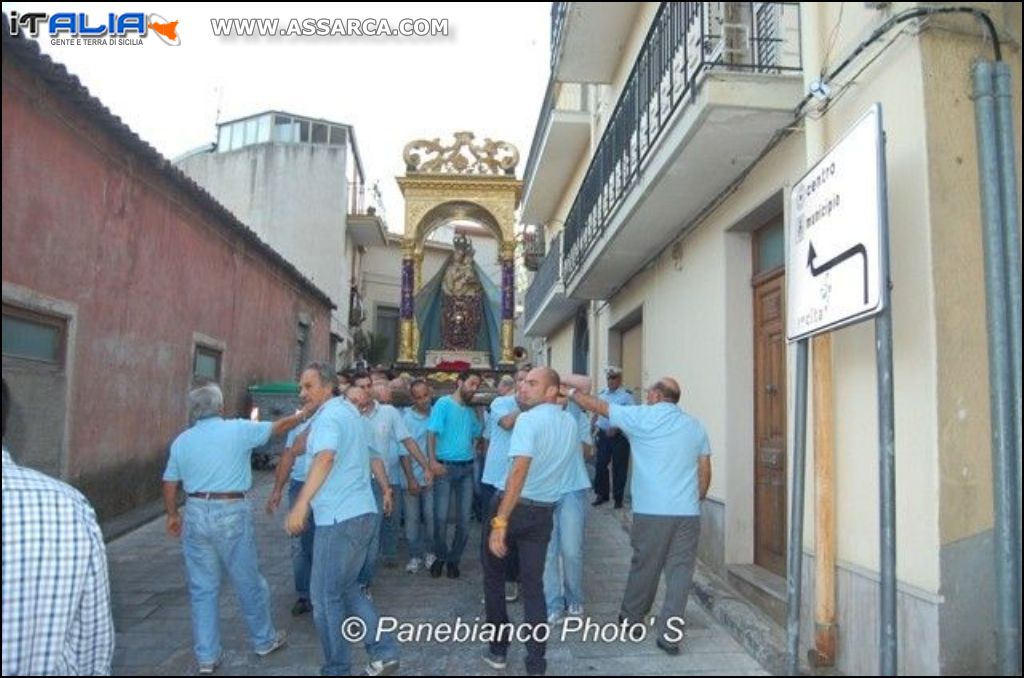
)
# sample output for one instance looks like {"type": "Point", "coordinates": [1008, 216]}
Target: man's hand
{"type": "Point", "coordinates": [437, 469]}
{"type": "Point", "coordinates": [414, 488]}
{"type": "Point", "coordinates": [388, 501]}
{"type": "Point", "coordinates": [174, 525]}
{"type": "Point", "coordinates": [428, 477]}
{"type": "Point", "coordinates": [295, 523]}
{"type": "Point", "coordinates": [273, 501]}
{"type": "Point", "coordinates": [496, 543]}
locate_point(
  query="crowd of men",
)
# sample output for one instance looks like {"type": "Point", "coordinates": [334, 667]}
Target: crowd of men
{"type": "Point", "coordinates": [360, 472]}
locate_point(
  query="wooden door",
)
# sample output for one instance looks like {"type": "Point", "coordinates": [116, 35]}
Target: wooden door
{"type": "Point", "coordinates": [770, 423]}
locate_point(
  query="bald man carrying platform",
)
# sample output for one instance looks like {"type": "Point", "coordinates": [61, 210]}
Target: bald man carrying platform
{"type": "Point", "coordinates": [671, 475]}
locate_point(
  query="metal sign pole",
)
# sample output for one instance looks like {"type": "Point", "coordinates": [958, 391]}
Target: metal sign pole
{"type": "Point", "coordinates": [838, 274]}
{"type": "Point", "coordinates": [886, 436]}
{"type": "Point", "coordinates": [794, 570]}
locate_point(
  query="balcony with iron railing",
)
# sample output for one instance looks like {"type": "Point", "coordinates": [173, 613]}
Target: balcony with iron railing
{"type": "Point", "coordinates": [547, 305]}
{"type": "Point", "coordinates": [560, 140]}
{"type": "Point", "coordinates": [587, 39]}
{"type": "Point", "coordinates": [709, 92]}
{"type": "Point", "coordinates": [558, 11]}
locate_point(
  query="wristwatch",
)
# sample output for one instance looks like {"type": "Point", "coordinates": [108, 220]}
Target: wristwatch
{"type": "Point", "coordinates": [571, 392]}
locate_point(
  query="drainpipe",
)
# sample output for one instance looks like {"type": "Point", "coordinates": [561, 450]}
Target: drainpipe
{"type": "Point", "coordinates": [1011, 243]}
{"type": "Point", "coordinates": [1005, 451]}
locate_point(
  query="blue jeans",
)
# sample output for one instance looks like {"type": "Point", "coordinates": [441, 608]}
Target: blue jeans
{"type": "Point", "coordinates": [218, 534]}
{"type": "Point", "coordinates": [419, 507]}
{"type": "Point", "coordinates": [338, 552]}
{"type": "Point", "coordinates": [391, 525]}
{"type": "Point", "coordinates": [369, 568]}
{"type": "Point", "coordinates": [458, 481]}
{"type": "Point", "coordinates": [302, 546]}
{"type": "Point", "coordinates": [563, 586]}
{"type": "Point", "coordinates": [479, 507]}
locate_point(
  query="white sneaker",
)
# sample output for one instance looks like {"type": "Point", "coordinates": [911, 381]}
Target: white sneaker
{"type": "Point", "coordinates": [414, 565]}
{"type": "Point", "coordinates": [428, 561]}
{"type": "Point", "coordinates": [511, 591]}
{"type": "Point", "coordinates": [208, 668]}
{"type": "Point", "coordinates": [380, 667]}
{"type": "Point", "coordinates": [575, 610]}
{"type": "Point", "coordinates": [554, 618]}
{"type": "Point", "coordinates": [365, 590]}
{"type": "Point", "coordinates": [280, 638]}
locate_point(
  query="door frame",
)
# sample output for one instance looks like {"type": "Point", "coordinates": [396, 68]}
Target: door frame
{"type": "Point", "coordinates": [759, 279]}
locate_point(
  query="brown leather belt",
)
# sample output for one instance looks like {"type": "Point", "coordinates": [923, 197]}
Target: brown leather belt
{"type": "Point", "coordinates": [217, 495]}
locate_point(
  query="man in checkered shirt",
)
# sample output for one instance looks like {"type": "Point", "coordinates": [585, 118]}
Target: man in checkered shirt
{"type": "Point", "coordinates": [56, 595]}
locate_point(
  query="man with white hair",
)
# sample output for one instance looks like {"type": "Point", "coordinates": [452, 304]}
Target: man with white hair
{"type": "Point", "coordinates": [212, 461]}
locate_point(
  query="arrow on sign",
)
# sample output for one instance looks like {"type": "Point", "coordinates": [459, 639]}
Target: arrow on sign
{"type": "Point", "coordinates": [838, 259]}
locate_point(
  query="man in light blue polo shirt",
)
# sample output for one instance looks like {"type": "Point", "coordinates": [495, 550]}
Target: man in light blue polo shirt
{"type": "Point", "coordinates": [316, 386]}
{"type": "Point", "coordinates": [563, 569]}
{"type": "Point", "coordinates": [671, 475]}
{"type": "Point", "coordinates": [338, 490]}
{"type": "Point", "coordinates": [419, 493]}
{"type": "Point", "coordinates": [388, 434]}
{"type": "Point", "coordinates": [544, 442]}
{"type": "Point", "coordinates": [212, 460]}
{"type": "Point", "coordinates": [451, 433]}
{"type": "Point", "coordinates": [498, 432]}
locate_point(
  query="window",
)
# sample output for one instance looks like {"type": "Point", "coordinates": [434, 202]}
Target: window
{"type": "Point", "coordinates": [206, 364]}
{"type": "Point", "coordinates": [237, 138]}
{"type": "Point", "coordinates": [319, 133]}
{"type": "Point", "coordinates": [251, 128]}
{"type": "Point", "coordinates": [33, 336]}
{"type": "Point", "coordinates": [769, 247]}
{"type": "Point", "coordinates": [263, 129]}
{"type": "Point", "coordinates": [581, 343]}
{"type": "Point", "coordinates": [283, 129]}
{"type": "Point", "coordinates": [387, 335]}
{"type": "Point", "coordinates": [337, 135]}
{"type": "Point", "coordinates": [223, 138]}
{"type": "Point", "coordinates": [302, 347]}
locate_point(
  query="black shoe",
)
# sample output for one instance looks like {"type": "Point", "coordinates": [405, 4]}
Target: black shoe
{"type": "Point", "coordinates": [301, 606]}
{"type": "Point", "coordinates": [618, 504]}
{"type": "Point", "coordinates": [599, 501]}
{"type": "Point", "coordinates": [494, 660]}
{"type": "Point", "coordinates": [453, 571]}
{"type": "Point", "coordinates": [667, 647]}
{"type": "Point", "coordinates": [437, 569]}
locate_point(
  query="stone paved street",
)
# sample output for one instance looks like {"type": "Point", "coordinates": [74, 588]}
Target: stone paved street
{"type": "Point", "coordinates": [151, 612]}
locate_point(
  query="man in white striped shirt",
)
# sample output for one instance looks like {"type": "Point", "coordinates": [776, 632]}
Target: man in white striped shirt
{"type": "Point", "coordinates": [56, 594]}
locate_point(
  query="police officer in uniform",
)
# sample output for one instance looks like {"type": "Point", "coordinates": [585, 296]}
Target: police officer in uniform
{"type": "Point", "coordinates": [612, 444]}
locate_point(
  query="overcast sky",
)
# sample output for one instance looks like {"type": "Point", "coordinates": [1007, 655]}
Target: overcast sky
{"type": "Point", "coordinates": [488, 75]}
